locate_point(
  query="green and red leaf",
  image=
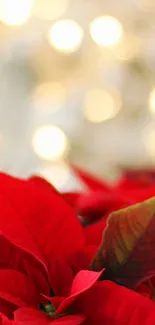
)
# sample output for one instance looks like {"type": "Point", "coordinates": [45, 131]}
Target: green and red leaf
{"type": "Point", "coordinates": [127, 250]}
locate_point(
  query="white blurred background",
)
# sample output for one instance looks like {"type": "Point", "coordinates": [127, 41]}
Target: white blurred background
{"type": "Point", "coordinates": [77, 84]}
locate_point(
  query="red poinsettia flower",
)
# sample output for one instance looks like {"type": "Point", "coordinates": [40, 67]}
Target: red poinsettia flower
{"type": "Point", "coordinates": [99, 199]}
{"type": "Point", "coordinates": [137, 184]}
{"type": "Point", "coordinates": [41, 244]}
{"type": "Point", "coordinates": [39, 236]}
{"type": "Point", "coordinates": [95, 205]}
{"type": "Point", "coordinates": [137, 177]}
{"type": "Point", "coordinates": [103, 303]}
{"type": "Point", "coordinates": [103, 198]}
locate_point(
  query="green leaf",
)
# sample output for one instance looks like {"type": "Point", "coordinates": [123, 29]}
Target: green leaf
{"type": "Point", "coordinates": [127, 250]}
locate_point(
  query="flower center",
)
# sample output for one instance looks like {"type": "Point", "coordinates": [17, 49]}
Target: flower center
{"type": "Point", "coordinates": [50, 310]}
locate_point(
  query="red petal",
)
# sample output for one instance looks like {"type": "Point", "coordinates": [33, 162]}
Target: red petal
{"type": "Point", "coordinates": [29, 316]}
{"type": "Point", "coordinates": [83, 281]}
{"type": "Point", "coordinates": [7, 308]}
{"type": "Point", "coordinates": [37, 277]}
{"type": "Point", "coordinates": [81, 260]}
{"type": "Point", "coordinates": [92, 182]}
{"type": "Point", "coordinates": [38, 219]}
{"type": "Point", "coordinates": [93, 232]}
{"type": "Point", "coordinates": [109, 304]}
{"type": "Point", "coordinates": [56, 301]}
{"type": "Point", "coordinates": [93, 206]}
{"type": "Point", "coordinates": [138, 178]}
{"type": "Point", "coordinates": [5, 321]}
{"type": "Point", "coordinates": [70, 320]}
{"type": "Point", "coordinates": [71, 198]}
{"type": "Point", "coordinates": [12, 257]}
{"type": "Point", "coordinates": [61, 276]}
{"type": "Point", "coordinates": [17, 288]}
{"type": "Point", "coordinates": [11, 224]}
{"type": "Point", "coordinates": [144, 290]}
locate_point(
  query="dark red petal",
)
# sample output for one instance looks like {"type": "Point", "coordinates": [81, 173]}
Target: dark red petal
{"type": "Point", "coordinates": [7, 308]}
{"type": "Point", "coordinates": [144, 290]}
{"type": "Point", "coordinates": [5, 321]}
{"type": "Point", "coordinates": [70, 320]}
{"type": "Point", "coordinates": [45, 215]}
{"type": "Point", "coordinates": [61, 276]}
{"type": "Point", "coordinates": [92, 182]}
{"type": "Point", "coordinates": [29, 316]}
{"type": "Point", "coordinates": [93, 206]}
{"type": "Point", "coordinates": [17, 288]}
{"type": "Point", "coordinates": [93, 232]}
{"type": "Point", "coordinates": [83, 281]}
{"type": "Point", "coordinates": [56, 301]}
{"type": "Point", "coordinates": [71, 198]}
{"type": "Point", "coordinates": [36, 218]}
{"type": "Point", "coordinates": [12, 226]}
{"type": "Point", "coordinates": [109, 304]}
{"type": "Point", "coordinates": [81, 260]}
{"type": "Point", "coordinates": [12, 257]}
{"type": "Point", "coordinates": [37, 277]}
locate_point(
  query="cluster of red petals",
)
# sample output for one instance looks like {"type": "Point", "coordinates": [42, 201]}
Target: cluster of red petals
{"type": "Point", "coordinates": [100, 199]}
{"type": "Point", "coordinates": [44, 247]}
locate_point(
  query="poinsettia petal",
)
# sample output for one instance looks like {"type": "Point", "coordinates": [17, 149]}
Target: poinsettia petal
{"type": "Point", "coordinates": [70, 320]}
{"type": "Point", "coordinates": [17, 288]}
{"type": "Point", "coordinates": [144, 290]}
{"type": "Point", "coordinates": [71, 198]}
{"type": "Point", "coordinates": [11, 224]}
{"type": "Point", "coordinates": [29, 316]}
{"type": "Point", "coordinates": [93, 206]}
{"type": "Point", "coordinates": [109, 304]}
{"type": "Point", "coordinates": [61, 276]}
{"type": "Point", "coordinates": [56, 301]}
{"type": "Point", "coordinates": [7, 308]}
{"type": "Point", "coordinates": [92, 182]}
{"type": "Point", "coordinates": [81, 259]}
{"type": "Point", "coordinates": [128, 245]}
{"type": "Point", "coordinates": [5, 321]}
{"type": "Point", "coordinates": [39, 221]}
{"type": "Point", "coordinates": [83, 281]}
{"type": "Point", "coordinates": [140, 194]}
{"type": "Point", "coordinates": [37, 277]}
{"type": "Point", "coordinates": [137, 178]}
{"type": "Point", "coordinates": [93, 232]}
{"type": "Point", "coordinates": [61, 219]}
{"type": "Point", "coordinates": [44, 214]}
{"type": "Point", "coordinates": [13, 257]}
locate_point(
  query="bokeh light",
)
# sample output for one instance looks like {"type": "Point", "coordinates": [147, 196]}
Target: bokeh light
{"type": "Point", "coordinates": [49, 142]}
{"type": "Point", "coordinates": [15, 12]}
{"type": "Point", "coordinates": [66, 36]}
{"type": "Point", "coordinates": [49, 95]}
{"type": "Point", "coordinates": [106, 30]}
{"type": "Point", "coordinates": [100, 105]}
{"type": "Point", "coordinates": [152, 101]}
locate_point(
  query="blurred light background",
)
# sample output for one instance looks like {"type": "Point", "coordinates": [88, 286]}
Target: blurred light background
{"type": "Point", "coordinates": [77, 84]}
